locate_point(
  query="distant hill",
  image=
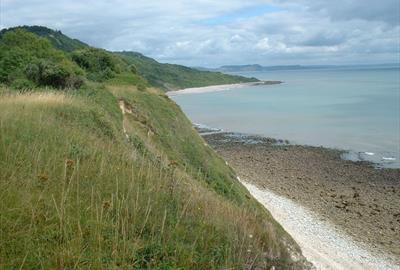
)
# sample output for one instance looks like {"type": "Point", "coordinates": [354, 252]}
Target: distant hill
{"type": "Point", "coordinates": [57, 38]}
{"type": "Point", "coordinates": [165, 76]}
{"type": "Point", "coordinates": [257, 67]}
{"type": "Point", "coordinates": [242, 68]}
{"type": "Point", "coordinates": [171, 77]}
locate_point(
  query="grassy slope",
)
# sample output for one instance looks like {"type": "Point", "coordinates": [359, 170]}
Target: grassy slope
{"type": "Point", "coordinates": [113, 176]}
{"type": "Point", "coordinates": [173, 77]}
{"type": "Point", "coordinates": [77, 192]}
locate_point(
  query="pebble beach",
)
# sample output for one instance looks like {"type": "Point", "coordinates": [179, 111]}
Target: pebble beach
{"type": "Point", "coordinates": [355, 199]}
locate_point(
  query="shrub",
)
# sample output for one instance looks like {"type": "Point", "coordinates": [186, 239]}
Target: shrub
{"type": "Point", "coordinates": [27, 60]}
{"type": "Point", "coordinates": [100, 64]}
{"type": "Point", "coordinates": [133, 69]}
{"type": "Point", "coordinates": [22, 84]}
{"type": "Point", "coordinates": [59, 75]}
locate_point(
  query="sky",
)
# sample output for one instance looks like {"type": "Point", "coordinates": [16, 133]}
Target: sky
{"type": "Point", "coordinates": [211, 33]}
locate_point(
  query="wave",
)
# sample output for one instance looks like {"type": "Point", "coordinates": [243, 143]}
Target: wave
{"type": "Point", "coordinates": [389, 158]}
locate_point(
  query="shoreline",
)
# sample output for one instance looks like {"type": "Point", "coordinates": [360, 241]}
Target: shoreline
{"type": "Point", "coordinates": [321, 243]}
{"type": "Point", "coordinates": [345, 154]}
{"type": "Point", "coordinates": [218, 88]}
{"type": "Point", "coordinates": [359, 200]}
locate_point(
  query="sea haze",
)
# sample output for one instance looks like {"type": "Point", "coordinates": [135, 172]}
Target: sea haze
{"type": "Point", "coordinates": [356, 109]}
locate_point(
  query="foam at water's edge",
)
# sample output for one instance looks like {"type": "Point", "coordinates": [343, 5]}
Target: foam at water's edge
{"type": "Point", "coordinates": [202, 126]}
{"type": "Point", "coordinates": [380, 160]}
{"type": "Point", "coordinates": [388, 158]}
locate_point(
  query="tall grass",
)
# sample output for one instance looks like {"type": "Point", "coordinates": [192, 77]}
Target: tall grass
{"type": "Point", "coordinates": [78, 193]}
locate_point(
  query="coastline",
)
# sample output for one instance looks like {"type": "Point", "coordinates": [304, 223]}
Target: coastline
{"type": "Point", "coordinates": [217, 88]}
{"type": "Point", "coordinates": [359, 200]}
{"type": "Point", "coordinates": [321, 243]}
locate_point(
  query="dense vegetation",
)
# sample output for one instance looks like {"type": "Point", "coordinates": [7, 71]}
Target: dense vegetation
{"type": "Point", "coordinates": [57, 38]}
{"type": "Point", "coordinates": [100, 64]}
{"type": "Point", "coordinates": [164, 76]}
{"type": "Point", "coordinates": [27, 61]}
{"type": "Point", "coordinates": [111, 175]}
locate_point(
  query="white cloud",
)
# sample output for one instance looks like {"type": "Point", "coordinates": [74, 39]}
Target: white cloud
{"type": "Point", "coordinates": [263, 44]}
{"type": "Point", "coordinates": [235, 32]}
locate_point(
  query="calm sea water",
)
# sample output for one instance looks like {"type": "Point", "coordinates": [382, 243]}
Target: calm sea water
{"type": "Point", "coordinates": [345, 108]}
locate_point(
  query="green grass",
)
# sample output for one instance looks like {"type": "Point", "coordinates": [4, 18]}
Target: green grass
{"type": "Point", "coordinates": [176, 137]}
{"type": "Point", "coordinates": [173, 77]}
{"type": "Point", "coordinates": [79, 193]}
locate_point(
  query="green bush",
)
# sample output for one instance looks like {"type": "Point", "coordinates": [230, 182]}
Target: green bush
{"type": "Point", "coordinates": [133, 69]}
{"type": "Point", "coordinates": [22, 84]}
{"type": "Point", "coordinates": [99, 64]}
{"type": "Point", "coordinates": [11, 62]}
{"type": "Point", "coordinates": [59, 75]}
{"type": "Point", "coordinates": [27, 60]}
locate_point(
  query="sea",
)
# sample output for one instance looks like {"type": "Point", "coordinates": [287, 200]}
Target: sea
{"type": "Point", "coordinates": [356, 109]}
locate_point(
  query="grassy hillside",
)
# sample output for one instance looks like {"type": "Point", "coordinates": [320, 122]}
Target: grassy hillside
{"type": "Point", "coordinates": [57, 38]}
{"type": "Point", "coordinates": [164, 76]}
{"type": "Point", "coordinates": [28, 61]}
{"type": "Point", "coordinates": [172, 77]}
{"type": "Point", "coordinates": [111, 175]}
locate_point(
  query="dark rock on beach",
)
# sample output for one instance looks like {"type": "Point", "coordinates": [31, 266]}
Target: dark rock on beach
{"type": "Point", "coordinates": [354, 196]}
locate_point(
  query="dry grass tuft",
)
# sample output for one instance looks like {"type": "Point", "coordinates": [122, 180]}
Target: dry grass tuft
{"type": "Point", "coordinates": [43, 98]}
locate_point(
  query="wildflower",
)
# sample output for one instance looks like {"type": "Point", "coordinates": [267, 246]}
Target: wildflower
{"type": "Point", "coordinates": [106, 205]}
{"type": "Point", "coordinates": [173, 163]}
{"type": "Point", "coordinates": [43, 177]}
{"type": "Point", "coordinates": [70, 163]}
